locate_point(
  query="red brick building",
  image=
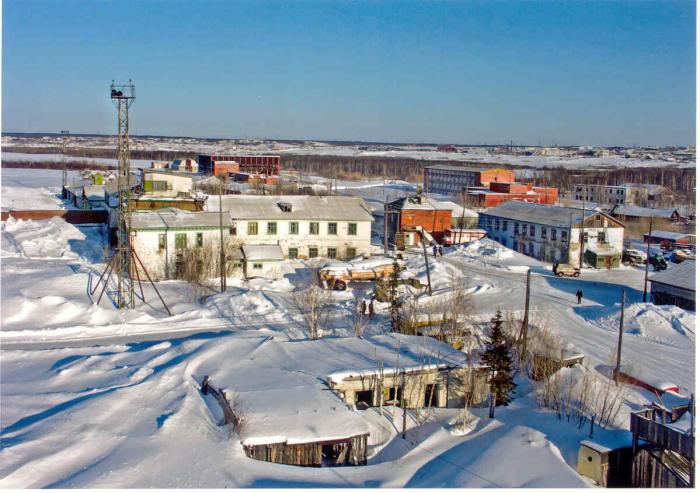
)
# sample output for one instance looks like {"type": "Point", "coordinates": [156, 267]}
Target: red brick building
{"type": "Point", "coordinates": [499, 192]}
{"type": "Point", "coordinates": [412, 214]}
{"type": "Point", "coordinates": [216, 164]}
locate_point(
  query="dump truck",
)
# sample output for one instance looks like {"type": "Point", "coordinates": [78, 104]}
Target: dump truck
{"type": "Point", "coordinates": [336, 275]}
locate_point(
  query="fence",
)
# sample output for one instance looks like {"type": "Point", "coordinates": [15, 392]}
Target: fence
{"type": "Point", "coordinates": [70, 216]}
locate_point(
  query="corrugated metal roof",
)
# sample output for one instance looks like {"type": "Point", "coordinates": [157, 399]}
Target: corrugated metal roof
{"type": "Point", "coordinates": [262, 252]}
{"type": "Point", "coordinates": [549, 215]}
{"type": "Point", "coordinates": [172, 218]}
{"type": "Point", "coordinates": [678, 275]}
{"type": "Point", "coordinates": [636, 211]}
{"type": "Point", "coordinates": [303, 207]}
{"type": "Point", "coordinates": [671, 235]}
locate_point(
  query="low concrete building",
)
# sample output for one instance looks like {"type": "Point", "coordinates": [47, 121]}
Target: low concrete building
{"type": "Point", "coordinates": [447, 179]}
{"type": "Point", "coordinates": [303, 226]}
{"type": "Point", "coordinates": [554, 234]}
{"type": "Point", "coordinates": [672, 237]}
{"type": "Point", "coordinates": [675, 285]}
{"type": "Point", "coordinates": [262, 261]}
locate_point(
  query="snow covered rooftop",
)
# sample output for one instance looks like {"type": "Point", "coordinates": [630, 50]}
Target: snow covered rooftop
{"type": "Point", "coordinates": [448, 167]}
{"type": "Point", "coordinates": [550, 215]}
{"type": "Point", "coordinates": [636, 211]}
{"type": "Point", "coordinates": [670, 235]}
{"type": "Point", "coordinates": [262, 252]}
{"type": "Point", "coordinates": [679, 275]}
{"type": "Point", "coordinates": [416, 202]}
{"type": "Point", "coordinates": [457, 210]}
{"type": "Point", "coordinates": [171, 218]}
{"type": "Point", "coordinates": [333, 208]}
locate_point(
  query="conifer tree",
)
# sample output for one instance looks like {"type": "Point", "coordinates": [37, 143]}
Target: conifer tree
{"type": "Point", "coordinates": [500, 363]}
{"type": "Point", "coordinates": [394, 302]}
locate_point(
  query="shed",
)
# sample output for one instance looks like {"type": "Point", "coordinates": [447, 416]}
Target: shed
{"type": "Point", "coordinates": [602, 257]}
{"type": "Point", "coordinates": [262, 261]}
{"type": "Point", "coordinates": [675, 285]}
{"type": "Point", "coordinates": [607, 461]}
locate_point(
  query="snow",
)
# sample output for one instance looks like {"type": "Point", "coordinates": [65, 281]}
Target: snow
{"type": "Point", "coordinates": [92, 397]}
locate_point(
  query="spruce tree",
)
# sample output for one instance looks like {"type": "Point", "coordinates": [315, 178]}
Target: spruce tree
{"type": "Point", "coordinates": [498, 359]}
{"type": "Point", "coordinates": [394, 302]}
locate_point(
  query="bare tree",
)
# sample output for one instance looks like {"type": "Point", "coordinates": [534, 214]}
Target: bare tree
{"type": "Point", "coordinates": [313, 304]}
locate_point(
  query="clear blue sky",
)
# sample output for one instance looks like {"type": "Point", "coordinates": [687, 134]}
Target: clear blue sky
{"type": "Point", "coordinates": [599, 73]}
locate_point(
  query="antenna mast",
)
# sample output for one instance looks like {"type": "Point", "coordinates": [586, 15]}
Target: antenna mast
{"type": "Point", "coordinates": [64, 145]}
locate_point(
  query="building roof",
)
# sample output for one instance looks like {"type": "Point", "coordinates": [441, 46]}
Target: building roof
{"type": "Point", "coordinates": [636, 211]}
{"type": "Point", "coordinates": [423, 203]}
{"type": "Point", "coordinates": [677, 275]}
{"type": "Point", "coordinates": [172, 218]}
{"type": "Point", "coordinates": [669, 235]}
{"type": "Point", "coordinates": [549, 215]}
{"type": "Point", "coordinates": [333, 208]}
{"type": "Point", "coordinates": [449, 167]}
{"type": "Point", "coordinates": [159, 171]}
{"type": "Point", "coordinates": [458, 210]}
{"type": "Point", "coordinates": [262, 252]}
{"type": "Point", "coordinates": [94, 192]}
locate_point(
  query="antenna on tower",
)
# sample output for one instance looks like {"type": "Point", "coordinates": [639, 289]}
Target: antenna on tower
{"type": "Point", "coordinates": [123, 264]}
{"type": "Point", "coordinates": [64, 177]}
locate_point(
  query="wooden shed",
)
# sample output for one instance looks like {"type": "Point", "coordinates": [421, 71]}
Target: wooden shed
{"type": "Point", "coordinates": [608, 465]}
{"type": "Point", "coordinates": [350, 451]}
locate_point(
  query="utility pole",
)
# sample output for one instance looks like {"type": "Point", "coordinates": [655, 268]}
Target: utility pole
{"type": "Point", "coordinates": [222, 253]}
{"type": "Point", "coordinates": [384, 183]}
{"type": "Point", "coordinates": [619, 338]}
{"type": "Point", "coordinates": [403, 403]}
{"type": "Point", "coordinates": [464, 210]}
{"type": "Point", "coordinates": [427, 266]}
{"type": "Point", "coordinates": [386, 228]}
{"type": "Point", "coordinates": [580, 236]}
{"type": "Point", "coordinates": [646, 267]}
{"type": "Point", "coordinates": [526, 319]}
{"type": "Point", "coordinates": [64, 177]}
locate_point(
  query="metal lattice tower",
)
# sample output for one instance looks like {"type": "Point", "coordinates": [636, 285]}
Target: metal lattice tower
{"type": "Point", "coordinates": [123, 97]}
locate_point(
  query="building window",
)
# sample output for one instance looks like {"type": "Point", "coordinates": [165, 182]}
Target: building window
{"type": "Point", "coordinates": [313, 252]}
{"type": "Point", "coordinates": [489, 223]}
{"type": "Point", "coordinates": [257, 266]}
{"type": "Point", "coordinates": [532, 230]}
{"type": "Point", "coordinates": [293, 228]}
{"type": "Point", "coordinates": [505, 225]}
{"type": "Point", "coordinates": [313, 228]}
{"type": "Point", "coordinates": [515, 246]}
{"type": "Point", "coordinates": [351, 252]}
{"type": "Point", "coordinates": [332, 253]}
{"type": "Point", "coordinates": [272, 228]}
{"type": "Point", "coordinates": [293, 253]}
{"type": "Point", "coordinates": [564, 235]}
{"type": "Point", "coordinates": [181, 241]}
{"type": "Point", "coordinates": [543, 232]}
{"type": "Point", "coordinates": [601, 236]}
{"type": "Point", "coordinates": [200, 240]}
{"type": "Point", "coordinates": [516, 228]}
{"type": "Point", "coordinates": [161, 242]}
{"type": "Point", "coordinates": [252, 228]}
{"type": "Point", "coordinates": [497, 224]}
{"type": "Point", "coordinates": [554, 234]}
{"type": "Point", "coordinates": [333, 229]}
{"type": "Point", "coordinates": [352, 229]}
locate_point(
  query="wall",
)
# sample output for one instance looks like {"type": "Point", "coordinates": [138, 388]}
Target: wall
{"type": "Point", "coordinates": [270, 269]}
{"type": "Point", "coordinates": [431, 220]}
{"type": "Point", "coordinates": [70, 216]}
{"type": "Point", "coordinates": [488, 176]}
{"type": "Point", "coordinates": [304, 240]}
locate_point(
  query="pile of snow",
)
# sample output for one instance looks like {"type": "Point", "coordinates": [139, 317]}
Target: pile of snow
{"type": "Point", "coordinates": [666, 324]}
{"type": "Point", "coordinates": [49, 238]}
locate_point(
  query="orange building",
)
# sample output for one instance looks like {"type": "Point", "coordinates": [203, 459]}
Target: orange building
{"type": "Point", "coordinates": [412, 214]}
{"type": "Point", "coordinates": [499, 192]}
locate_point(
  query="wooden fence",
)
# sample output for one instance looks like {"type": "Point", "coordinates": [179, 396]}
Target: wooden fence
{"type": "Point", "coordinates": [70, 216]}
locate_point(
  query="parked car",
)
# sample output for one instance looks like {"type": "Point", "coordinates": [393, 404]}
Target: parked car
{"type": "Point", "coordinates": [632, 256]}
{"type": "Point", "coordinates": [561, 270]}
{"type": "Point", "coordinates": [658, 262]}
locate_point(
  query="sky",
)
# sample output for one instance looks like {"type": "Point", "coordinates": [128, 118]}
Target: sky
{"type": "Point", "coordinates": [468, 72]}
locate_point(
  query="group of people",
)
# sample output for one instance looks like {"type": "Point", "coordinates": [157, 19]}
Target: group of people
{"type": "Point", "coordinates": [364, 306]}
{"type": "Point", "coordinates": [437, 250]}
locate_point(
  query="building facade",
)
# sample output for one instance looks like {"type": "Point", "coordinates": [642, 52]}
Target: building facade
{"type": "Point", "coordinates": [553, 234]}
{"type": "Point", "coordinates": [216, 164]}
{"type": "Point", "coordinates": [626, 194]}
{"type": "Point", "coordinates": [447, 179]}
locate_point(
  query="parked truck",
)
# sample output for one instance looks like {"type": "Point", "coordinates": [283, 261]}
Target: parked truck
{"type": "Point", "coordinates": [566, 270]}
{"type": "Point", "coordinates": [336, 275]}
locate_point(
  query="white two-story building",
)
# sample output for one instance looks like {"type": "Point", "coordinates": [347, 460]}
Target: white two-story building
{"type": "Point", "coordinates": [554, 234]}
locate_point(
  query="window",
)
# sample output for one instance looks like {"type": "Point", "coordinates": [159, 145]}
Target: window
{"type": "Point", "coordinates": [543, 232]}
{"type": "Point", "coordinates": [554, 234]}
{"type": "Point", "coordinates": [505, 225]}
{"type": "Point", "coordinates": [516, 228]}
{"type": "Point", "coordinates": [515, 246]}
{"type": "Point", "coordinates": [351, 252]}
{"type": "Point", "coordinates": [293, 228]}
{"type": "Point", "coordinates": [159, 186]}
{"type": "Point", "coordinates": [272, 228]}
{"type": "Point", "coordinates": [352, 229]}
{"type": "Point", "coordinates": [257, 266]}
{"type": "Point", "coordinates": [332, 253]}
{"type": "Point", "coordinates": [161, 242]}
{"type": "Point", "coordinates": [332, 228]}
{"type": "Point", "coordinates": [497, 224]}
{"type": "Point", "coordinates": [489, 223]}
{"type": "Point", "coordinates": [232, 231]}
{"type": "Point", "coordinates": [313, 251]}
{"type": "Point", "coordinates": [293, 253]}
{"type": "Point", "coordinates": [532, 230]}
{"type": "Point", "coordinates": [601, 236]}
{"type": "Point", "coordinates": [313, 228]}
{"type": "Point", "coordinates": [200, 239]}
{"type": "Point", "coordinates": [253, 228]}
{"type": "Point", "coordinates": [564, 235]}
{"type": "Point", "coordinates": [181, 241]}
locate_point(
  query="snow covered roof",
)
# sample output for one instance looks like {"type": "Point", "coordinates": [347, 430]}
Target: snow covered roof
{"type": "Point", "coordinates": [458, 210]}
{"type": "Point", "coordinates": [609, 441]}
{"type": "Point", "coordinates": [448, 167]}
{"type": "Point", "coordinates": [171, 218]}
{"type": "Point", "coordinates": [549, 215]}
{"type": "Point", "coordinates": [670, 235]}
{"type": "Point", "coordinates": [417, 202]}
{"type": "Point", "coordinates": [94, 192]}
{"type": "Point", "coordinates": [678, 275]}
{"type": "Point", "coordinates": [332, 208]}
{"type": "Point", "coordinates": [262, 252]}
{"type": "Point", "coordinates": [169, 172]}
{"type": "Point", "coordinates": [636, 211]}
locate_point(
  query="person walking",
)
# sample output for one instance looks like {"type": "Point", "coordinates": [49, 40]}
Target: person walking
{"type": "Point", "coordinates": [435, 250]}
{"type": "Point", "coordinates": [371, 309]}
{"type": "Point", "coordinates": [440, 250]}
{"type": "Point", "coordinates": [363, 307]}
{"type": "Point", "coordinates": [579, 295]}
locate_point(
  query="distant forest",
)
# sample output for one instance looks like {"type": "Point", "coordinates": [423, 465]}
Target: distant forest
{"type": "Point", "coordinates": [680, 180]}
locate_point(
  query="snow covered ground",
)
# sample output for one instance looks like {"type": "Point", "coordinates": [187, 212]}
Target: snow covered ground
{"type": "Point", "coordinates": [92, 397]}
